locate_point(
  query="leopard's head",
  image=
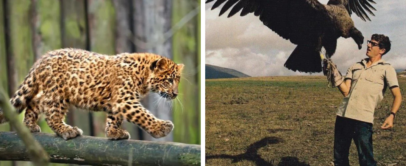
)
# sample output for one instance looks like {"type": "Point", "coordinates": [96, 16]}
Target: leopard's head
{"type": "Point", "coordinates": [165, 77]}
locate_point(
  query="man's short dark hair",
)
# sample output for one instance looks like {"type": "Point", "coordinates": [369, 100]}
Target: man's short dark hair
{"type": "Point", "coordinates": [384, 42]}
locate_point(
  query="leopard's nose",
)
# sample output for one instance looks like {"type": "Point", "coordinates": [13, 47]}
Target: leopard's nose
{"type": "Point", "coordinates": [175, 92]}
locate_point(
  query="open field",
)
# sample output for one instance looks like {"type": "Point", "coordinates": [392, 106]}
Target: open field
{"type": "Point", "coordinates": [288, 121]}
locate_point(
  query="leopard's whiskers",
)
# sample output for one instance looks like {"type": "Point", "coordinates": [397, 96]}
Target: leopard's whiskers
{"type": "Point", "coordinates": [156, 100]}
{"type": "Point", "coordinates": [187, 80]}
{"type": "Point", "coordinates": [181, 105]}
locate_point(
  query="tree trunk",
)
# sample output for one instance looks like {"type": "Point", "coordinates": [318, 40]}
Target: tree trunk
{"type": "Point", "coordinates": [45, 18]}
{"type": "Point", "coordinates": [20, 32]}
{"type": "Point", "coordinates": [73, 23]}
{"type": "Point", "coordinates": [4, 60]}
{"type": "Point", "coordinates": [3, 48]}
{"type": "Point", "coordinates": [101, 20]}
{"type": "Point", "coordinates": [11, 75]}
{"type": "Point", "coordinates": [152, 21]}
{"type": "Point", "coordinates": [11, 66]}
{"type": "Point", "coordinates": [124, 26]}
{"type": "Point", "coordinates": [100, 151]}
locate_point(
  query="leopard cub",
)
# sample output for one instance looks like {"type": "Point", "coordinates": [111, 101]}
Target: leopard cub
{"type": "Point", "coordinates": [114, 84]}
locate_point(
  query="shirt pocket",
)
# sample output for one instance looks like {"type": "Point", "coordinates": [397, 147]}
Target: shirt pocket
{"type": "Point", "coordinates": [375, 83]}
{"type": "Point", "coordinates": [375, 76]}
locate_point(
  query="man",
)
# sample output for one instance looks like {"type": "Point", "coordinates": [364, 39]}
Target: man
{"type": "Point", "coordinates": [363, 88]}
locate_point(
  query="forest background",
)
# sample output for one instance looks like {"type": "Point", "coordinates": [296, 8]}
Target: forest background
{"type": "Point", "coordinates": [30, 28]}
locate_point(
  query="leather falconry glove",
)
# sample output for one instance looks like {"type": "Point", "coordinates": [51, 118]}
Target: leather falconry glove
{"type": "Point", "coordinates": [330, 70]}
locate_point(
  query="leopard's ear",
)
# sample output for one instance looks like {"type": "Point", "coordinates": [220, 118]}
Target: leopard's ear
{"type": "Point", "coordinates": [180, 67]}
{"type": "Point", "coordinates": [159, 64]}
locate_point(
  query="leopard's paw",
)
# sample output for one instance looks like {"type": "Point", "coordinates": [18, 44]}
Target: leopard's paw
{"type": "Point", "coordinates": [163, 129]}
{"type": "Point", "coordinates": [117, 134]}
{"type": "Point", "coordinates": [34, 128]}
{"type": "Point", "coordinates": [71, 132]}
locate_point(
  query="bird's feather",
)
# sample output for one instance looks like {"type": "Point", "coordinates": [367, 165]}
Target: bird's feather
{"type": "Point", "coordinates": [360, 8]}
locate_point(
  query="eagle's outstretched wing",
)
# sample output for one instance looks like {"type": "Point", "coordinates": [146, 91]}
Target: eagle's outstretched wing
{"type": "Point", "coordinates": [300, 21]}
{"type": "Point", "coordinates": [360, 8]}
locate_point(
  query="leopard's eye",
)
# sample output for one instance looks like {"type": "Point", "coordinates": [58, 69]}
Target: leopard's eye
{"type": "Point", "coordinates": [170, 80]}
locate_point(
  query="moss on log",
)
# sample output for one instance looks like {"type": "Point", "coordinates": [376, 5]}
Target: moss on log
{"type": "Point", "coordinates": [100, 151]}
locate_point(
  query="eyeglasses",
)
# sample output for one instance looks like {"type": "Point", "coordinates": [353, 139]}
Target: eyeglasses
{"type": "Point", "coordinates": [372, 43]}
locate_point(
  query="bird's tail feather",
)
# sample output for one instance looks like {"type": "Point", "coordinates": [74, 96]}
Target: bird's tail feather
{"type": "Point", "coordinates": [304, 59]}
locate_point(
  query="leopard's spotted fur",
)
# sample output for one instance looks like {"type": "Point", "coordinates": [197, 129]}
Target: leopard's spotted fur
{"type": "Point", "coordinates": [96, 82]}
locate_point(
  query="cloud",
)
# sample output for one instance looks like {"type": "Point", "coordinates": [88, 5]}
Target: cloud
{"type": "Point", "coordinates": [245, 44]}
{"type": "Point", "coordinates": [249, 62]}
{"type": "Point", "coordinates": [237, 32]}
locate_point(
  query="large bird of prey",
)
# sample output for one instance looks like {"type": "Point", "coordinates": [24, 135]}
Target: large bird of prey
{"type": "Point", "coordinates": [307, 23]}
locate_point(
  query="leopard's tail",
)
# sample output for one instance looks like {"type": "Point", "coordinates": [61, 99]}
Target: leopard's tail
{"type": "Point", "coordinates": [26, 91]}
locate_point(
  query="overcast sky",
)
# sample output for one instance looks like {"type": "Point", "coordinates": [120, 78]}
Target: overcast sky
{"type": "Point", "coordinates": [246, 45]}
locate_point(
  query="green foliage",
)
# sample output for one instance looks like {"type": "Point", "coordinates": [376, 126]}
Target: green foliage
{"type": "Point", "coordinates": [49, 27]}
{"type": "Point", "coordinates": [21, 33]}
{"type": "Point", "coordinates": [102, 24]}
{"type": "Point", "coordinates": [185, 51]}
{"type": "Point", "coordinates": [3, 59]}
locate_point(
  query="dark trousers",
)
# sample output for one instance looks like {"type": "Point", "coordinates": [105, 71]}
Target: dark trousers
{"type": "Point", "coordinates": [361, 132]}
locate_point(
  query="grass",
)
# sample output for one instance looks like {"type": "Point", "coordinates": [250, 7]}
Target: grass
{"type": "Point", "coordinates": [287, 121]}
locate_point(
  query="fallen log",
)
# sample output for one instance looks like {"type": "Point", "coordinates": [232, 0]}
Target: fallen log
{"type": "Point", "coordinates": [100, 151]}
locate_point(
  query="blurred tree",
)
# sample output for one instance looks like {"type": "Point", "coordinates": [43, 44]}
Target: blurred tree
{"type": "Point", "coordinates": [152, 21]}
{"type": "Point", "coordinates": [4, 58]}
{"type": "Point", "coordinates": [20, 37]}
{"type": "Point", "coordinates": [186, 50]}
{"type": "Point", "coordinates": [46, 27]}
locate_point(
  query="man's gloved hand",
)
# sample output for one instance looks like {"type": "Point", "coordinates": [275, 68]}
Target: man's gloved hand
{"type": "Point", "coordinates": [325, 66]}
{"type": "Point", "coordinates": [330, 70]}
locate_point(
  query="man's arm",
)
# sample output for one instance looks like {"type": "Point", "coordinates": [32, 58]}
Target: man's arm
{"type": "Point", "coordinates": [345, 87]}
{"type": "Point", "coordinates": [397, 100]}
{"type": "Point", "coordinates": [342, 85]}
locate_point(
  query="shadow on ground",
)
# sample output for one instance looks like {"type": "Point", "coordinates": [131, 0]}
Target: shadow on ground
{"type": "Point", "coordinates": [252, 154]}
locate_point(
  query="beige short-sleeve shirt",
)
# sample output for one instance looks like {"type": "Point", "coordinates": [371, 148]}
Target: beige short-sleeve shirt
{"type": "Point", "coordinates": [367, 88]}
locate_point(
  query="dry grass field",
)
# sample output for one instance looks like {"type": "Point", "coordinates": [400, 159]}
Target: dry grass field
{"type": "Point", "coordinates": [280, 121]}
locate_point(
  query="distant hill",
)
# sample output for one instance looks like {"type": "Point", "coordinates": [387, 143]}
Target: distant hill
{"type": "Point", "coordinates": [400, 70]}
{"type": "Point", "coordinates": [401, 73]}
{"type": "Point", "coordinates": [221, 72]}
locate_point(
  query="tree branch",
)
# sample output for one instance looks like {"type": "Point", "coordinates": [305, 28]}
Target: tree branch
{"type": "Point", "coordinates": [100, 151]}
{"type": "Point", "coordinates": [35, 151]}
